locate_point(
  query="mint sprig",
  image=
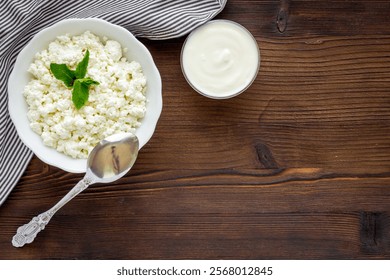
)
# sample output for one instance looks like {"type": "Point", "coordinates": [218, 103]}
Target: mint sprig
{"type": "Point", "coordinates": [80, 91]}
{"type": "Point", "coordinates": [81, 68]}
{"type": "Point", "coordinates": [75, 79]}
{"type": "Point", "coordinates": [80, 94]}
{"type": "Point", "coordinates": [63, 73]}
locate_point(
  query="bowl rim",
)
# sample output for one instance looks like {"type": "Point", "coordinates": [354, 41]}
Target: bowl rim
{"type": "Point", "coordinates": [79, 165]}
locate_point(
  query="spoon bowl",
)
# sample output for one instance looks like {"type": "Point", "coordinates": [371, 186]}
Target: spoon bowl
{"type": "Point", "coordinates": [109, 160]}
{"type": "Point", "coordinates": [113, 157]}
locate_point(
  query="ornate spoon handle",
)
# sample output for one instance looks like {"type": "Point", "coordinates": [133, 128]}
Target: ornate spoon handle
{"type": "Point", "coordinates": [27, 233]}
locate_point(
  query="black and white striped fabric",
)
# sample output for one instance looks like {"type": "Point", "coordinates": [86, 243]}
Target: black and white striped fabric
{"type": "Point", "coordinates": [21, 20]}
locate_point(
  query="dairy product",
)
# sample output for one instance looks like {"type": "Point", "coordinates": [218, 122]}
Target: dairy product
{"type": "Point", "coordinates": [220, 59]}
{"type": "Point", "coordinates": [116, 105]}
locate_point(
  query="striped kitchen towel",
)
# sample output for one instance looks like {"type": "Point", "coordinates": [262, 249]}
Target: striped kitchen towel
{"type": "Point", "coordinates": [21, 20]}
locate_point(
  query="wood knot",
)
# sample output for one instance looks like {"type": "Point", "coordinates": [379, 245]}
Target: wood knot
{"type": "Point", "coordinates": [282, 17]}
{"type": "Point", "coordinates": [265, 156]}
{"type": "Point", "coordinates": [371, 231]}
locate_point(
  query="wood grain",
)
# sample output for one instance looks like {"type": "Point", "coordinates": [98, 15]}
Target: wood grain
{"type": "Point", "coordinates": [297, 167]}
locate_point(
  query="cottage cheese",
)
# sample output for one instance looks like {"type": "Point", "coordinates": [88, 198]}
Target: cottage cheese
{"type": "Point", "coordinates": [116, 105]}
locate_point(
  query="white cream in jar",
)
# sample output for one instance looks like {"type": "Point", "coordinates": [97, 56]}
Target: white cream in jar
{"type": "Point", "coordinates": [220, 59]}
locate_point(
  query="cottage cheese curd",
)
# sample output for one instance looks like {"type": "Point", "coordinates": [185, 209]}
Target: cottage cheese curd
{"type": "Point", "coordinates": [116, 105]}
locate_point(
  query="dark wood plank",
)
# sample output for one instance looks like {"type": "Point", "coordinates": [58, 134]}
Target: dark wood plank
{"type": "Point", "coordinates": [310, 17]}
{"type": "Point", "coordinates": [329, 92]}
{"type": "Point", "coordinates": [297, 167]}
{"type": "Point", "coordinates": [206, 214]}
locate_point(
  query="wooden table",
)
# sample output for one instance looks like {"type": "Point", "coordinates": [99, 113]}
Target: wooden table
{"type": "Point", "coordinates": [297, 167]}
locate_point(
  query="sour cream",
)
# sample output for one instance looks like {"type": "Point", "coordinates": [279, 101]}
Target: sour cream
{"type": "Point", "coordinates": [220, 59]}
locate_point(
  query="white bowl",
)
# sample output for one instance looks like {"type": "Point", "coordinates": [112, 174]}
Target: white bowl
{"type": "Point", "coordinates": [20, 77]}
{"type": "Point", "coordinates": [220, 59]}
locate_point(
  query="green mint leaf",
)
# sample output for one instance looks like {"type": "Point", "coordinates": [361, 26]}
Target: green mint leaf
{"type": "Point", "coordinates": [63, 73]}
{"type": "Point", "coordinates": [80, 94]}
{"type": "Point", "coordinates": [75, 79]}
{"type": "Point", "coordinates": [88, 81]}
{"type": "Point", "coordinates": [81, 69]}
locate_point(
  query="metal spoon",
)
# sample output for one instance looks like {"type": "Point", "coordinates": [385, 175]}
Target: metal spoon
{"type": "Point", "coordinates": [108, 161]}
